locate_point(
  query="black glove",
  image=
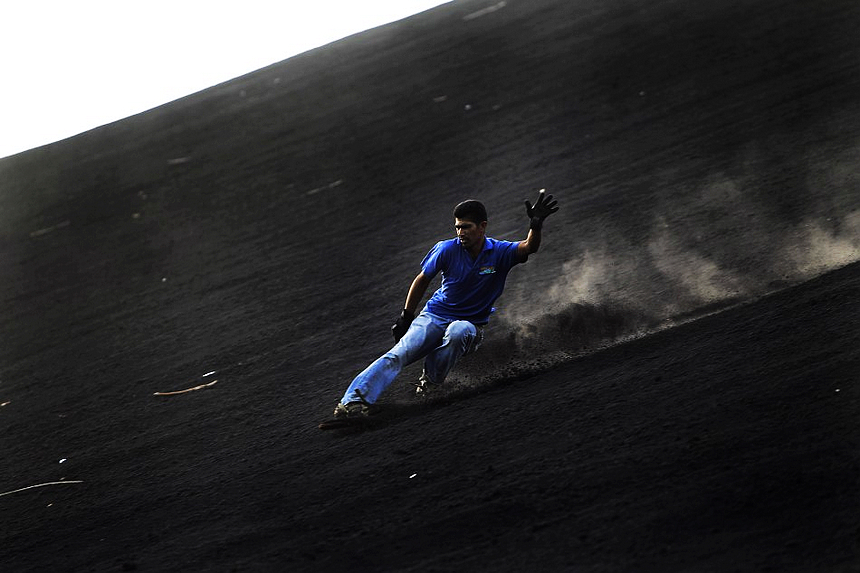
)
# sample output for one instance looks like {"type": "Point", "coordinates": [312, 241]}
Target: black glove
{"type": "Point", "coordinates": [402, 325]}
{"type": "Point", "coordinates": [543, 208]}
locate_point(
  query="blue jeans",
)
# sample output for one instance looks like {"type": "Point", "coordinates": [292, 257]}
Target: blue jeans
{"type": "Point", "coordinates": [440, 341]}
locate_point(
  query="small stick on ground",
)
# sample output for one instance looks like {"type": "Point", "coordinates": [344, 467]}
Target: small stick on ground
{"type": "Point", "coordinates": [39, 485]}
{"type": "Point", "coordinates": [184, 391]}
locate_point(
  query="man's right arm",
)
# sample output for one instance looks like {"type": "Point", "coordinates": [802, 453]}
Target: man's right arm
{"type": "Point", "coordinates": [413, 299]}
{"type": "Point", "coordinates": [416, 292]}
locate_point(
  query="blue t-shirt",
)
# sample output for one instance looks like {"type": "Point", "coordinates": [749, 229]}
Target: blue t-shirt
{"type": "Point", "coordinates": [469, 286]}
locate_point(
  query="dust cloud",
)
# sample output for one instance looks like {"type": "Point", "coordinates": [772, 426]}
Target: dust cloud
{"type": "Point", "coordinates": [710, 244]}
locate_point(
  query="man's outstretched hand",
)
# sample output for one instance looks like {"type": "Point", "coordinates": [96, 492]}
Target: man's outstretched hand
{"type": "Point", "coordinates": [402, 325]}
{"type": "Point", "coordinates": [543, 208]}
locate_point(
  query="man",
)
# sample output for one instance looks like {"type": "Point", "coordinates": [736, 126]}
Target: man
{"type": "Point", "coordinates": [474, 268]}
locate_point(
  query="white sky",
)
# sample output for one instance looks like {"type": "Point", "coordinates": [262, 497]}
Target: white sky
{"type": "Point", "coordinates": [67, 66]}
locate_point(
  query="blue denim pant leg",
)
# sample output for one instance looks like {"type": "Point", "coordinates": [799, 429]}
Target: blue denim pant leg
{"type": "Point", "coordinates": [460, 337]}
{"type": "Point", "coordinates": [425, 333]}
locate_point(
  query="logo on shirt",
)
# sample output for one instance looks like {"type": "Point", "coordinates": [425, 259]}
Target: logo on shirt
{"type": "Point", "coordinates": [487, 270]}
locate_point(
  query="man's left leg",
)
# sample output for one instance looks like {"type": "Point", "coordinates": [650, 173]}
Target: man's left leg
{"type": "Point", "coordinates": [424, 334]}
{"type": "Point", "coordinates": [461, 336]}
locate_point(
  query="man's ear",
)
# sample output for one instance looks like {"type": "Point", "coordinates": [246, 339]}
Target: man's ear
{"type": "Point", "coordinates": [483, 226]}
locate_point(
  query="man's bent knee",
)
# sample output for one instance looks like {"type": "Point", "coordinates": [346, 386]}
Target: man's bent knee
{"type": "Point", "coordinates": [461, 333]}
{"type": "Point", "coordinates": [461, 330]}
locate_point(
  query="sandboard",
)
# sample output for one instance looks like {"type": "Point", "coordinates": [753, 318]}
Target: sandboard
{"type": "Point", "coordinates": [343, 423]}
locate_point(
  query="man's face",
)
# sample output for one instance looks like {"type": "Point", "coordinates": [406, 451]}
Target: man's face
{"type": "Point", "coordinates": [469, 233]}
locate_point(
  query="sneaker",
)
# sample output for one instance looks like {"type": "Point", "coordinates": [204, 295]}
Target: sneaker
{"type": "Point", "coordinates": [424, 385]}
{"type": "Point", "coordinates": [351, 410]}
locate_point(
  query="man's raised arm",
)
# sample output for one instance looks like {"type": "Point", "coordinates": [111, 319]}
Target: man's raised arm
{"type": "Point", "coordinates": [543, 208]}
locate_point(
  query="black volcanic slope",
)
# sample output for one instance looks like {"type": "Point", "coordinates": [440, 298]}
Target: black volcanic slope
{"type": "Point", "coordinates": [671, 384]}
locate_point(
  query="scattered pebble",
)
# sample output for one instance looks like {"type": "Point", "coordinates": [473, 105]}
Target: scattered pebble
{"type": "Point", "coordinates": [440, 99]}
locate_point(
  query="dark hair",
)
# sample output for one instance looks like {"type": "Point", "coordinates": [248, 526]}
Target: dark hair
{"type": "Point", "coordinates": [471, 210]}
